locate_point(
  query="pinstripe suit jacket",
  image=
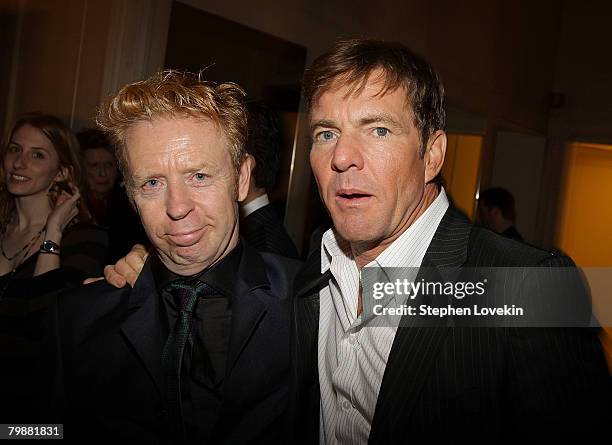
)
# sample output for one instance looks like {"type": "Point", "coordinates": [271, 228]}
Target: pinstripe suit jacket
{"type": "Point", "coordinates": [489, 383]}
{"type": "Point", "coordinates": [265, 232]}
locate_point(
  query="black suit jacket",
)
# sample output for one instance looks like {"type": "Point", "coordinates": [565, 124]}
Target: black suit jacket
{"type": "Point", "coordinates": [440, 381]}
{"type": "Point", "coordinates": [265, 232]}
{"type": "Point", "coordinates": [107, 358]}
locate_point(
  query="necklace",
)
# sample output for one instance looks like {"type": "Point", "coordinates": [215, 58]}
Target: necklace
{"type": "Point", "coordinates": [24, 248]}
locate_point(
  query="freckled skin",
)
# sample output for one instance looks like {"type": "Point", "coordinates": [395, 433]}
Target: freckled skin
{"type": "Point", "coordinates": [186, 190]}
{"type": "Point", "coordinates": [30, 154]}
{"type": "Point", "coordinates": [369, 143]}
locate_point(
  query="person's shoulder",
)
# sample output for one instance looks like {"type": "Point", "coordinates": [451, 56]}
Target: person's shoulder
{"type": "Point", "coordinates": [275, 270]}
{"type": "Point", "coordinates": [86, 304]}
{"type": "Point", "coordinates": [85, 231]}
{"type": "Point", "coordinates": [280, 266]}
{"type": "Point", "coordinates": [487, 248]}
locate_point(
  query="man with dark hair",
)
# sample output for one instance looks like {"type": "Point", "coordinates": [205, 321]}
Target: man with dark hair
{"type": "Point", "coordinates": [496, 212]}
{"type": "Point", "coordinates": [377, 118]}
{"type": "Point", "coordinates": [260, 225]}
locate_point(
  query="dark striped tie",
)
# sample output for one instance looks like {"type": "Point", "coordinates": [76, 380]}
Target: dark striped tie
{"type": "Point", "coordinates": [186, 294]}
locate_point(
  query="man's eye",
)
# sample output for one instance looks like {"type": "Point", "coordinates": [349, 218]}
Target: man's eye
{"type": "Point", "coordinates": [199, 176]}
{"type": "Point", "coordinates": [151, 183]}
{"type": "Point", "coordinates": [324, 136]}
{"type": "Point", "coordinates": [327, 135]}
{"type": "Point", "coordinates": [381, 131]}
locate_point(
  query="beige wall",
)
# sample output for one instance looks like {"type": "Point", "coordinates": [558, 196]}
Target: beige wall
{"type": "Point", "coordinates": [56, 65]}
{"type": "Point", "coordinates": [67, 55]}
{"type": "Point", "coordinates": [586, 218]}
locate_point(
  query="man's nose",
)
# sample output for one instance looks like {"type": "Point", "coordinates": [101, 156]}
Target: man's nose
{"type": "Point", "coordinates": [102, 172]}
{"type": "Point", "coordinates": [178, 201]}
{"type": "Point", "coordinates": [347, 153]}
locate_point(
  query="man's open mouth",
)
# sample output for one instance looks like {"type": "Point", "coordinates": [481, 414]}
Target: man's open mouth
{"type": "Point", "coordinates": [352, 196]}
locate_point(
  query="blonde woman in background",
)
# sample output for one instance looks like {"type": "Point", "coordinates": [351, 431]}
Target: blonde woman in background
{"type": "Point", "coordinates": [44, 230]}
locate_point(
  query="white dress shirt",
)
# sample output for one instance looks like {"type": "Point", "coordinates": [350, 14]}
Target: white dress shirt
{"type": "Point", "coordinates": [256, 204]}
{"type": "Point", "coordinates": [351, 356]}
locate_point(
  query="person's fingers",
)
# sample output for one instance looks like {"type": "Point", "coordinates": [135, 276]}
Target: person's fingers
{"type": "Point", "coordinates": [65, 197]}
{"type": "Point", "coordinates": [129, 270]}
{"type": "Point", "coordinates": [75, 189]}
{"type": "Point", "coordinates": [62, 198]}
{"type": "Point", "coordinates": [138, 255]}
{"type": "Point", "coordinates": [134, 260]}
{"type": "Point", "coordinates": [92, 280]}
{"type": "Point", "coordinates": [112, 277]}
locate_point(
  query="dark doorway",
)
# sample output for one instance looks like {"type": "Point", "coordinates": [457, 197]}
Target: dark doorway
{"type": "Point", "coordinates": [267, 67]}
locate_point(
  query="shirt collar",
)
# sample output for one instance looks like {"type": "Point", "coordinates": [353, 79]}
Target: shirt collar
{"type": "Point", "coordinates": [220, 277]}
{"type": "Point", "coordinates": [407, 250]}
{"type": "Point", "coordinates": [254, 205]}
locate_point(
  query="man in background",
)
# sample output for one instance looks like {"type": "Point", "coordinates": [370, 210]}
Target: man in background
{"type": "Point", "coordinates": [496, 211]}
{"type": "Point", "coordinates": [260, 225]}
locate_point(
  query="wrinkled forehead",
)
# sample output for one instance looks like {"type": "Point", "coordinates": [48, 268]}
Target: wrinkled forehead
{"type": "Point", "coordinates": [376, 83]}
{"type": "Point", "coordinates": [177, 130]}
{"type": "Point", "coordinates": [183, 143]}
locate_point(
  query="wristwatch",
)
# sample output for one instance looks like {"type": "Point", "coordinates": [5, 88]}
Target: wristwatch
{"type": "Point", "coordinates": [49, 246]}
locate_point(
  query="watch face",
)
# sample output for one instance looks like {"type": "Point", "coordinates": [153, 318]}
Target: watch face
{"type": "Point", "coordinates": [50, 246]}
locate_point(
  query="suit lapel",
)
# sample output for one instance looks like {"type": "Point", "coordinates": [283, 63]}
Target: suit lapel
{"type": "Point", "coordinates": [247, 308]}
{"type": "Point", "coordinates": [309, 279]}
{"type": "Point", "coordinates": [305, 397]}
{"type": "Point", "coordinates": [308, 283]}
{"type": "Point", "coordinates": [142, 327]}
{"type": "Point", "coordinates": [415, 348]}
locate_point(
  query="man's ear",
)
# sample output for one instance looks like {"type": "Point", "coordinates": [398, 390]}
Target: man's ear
{"type": "Point", "coordinates": [253, 162]}
{"type": "Point", "coordinates": [244, 175]}
{"type": "Point", "coordinates": [252, 185]}
{"type": "Point", "coordinates": [434, 155]}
